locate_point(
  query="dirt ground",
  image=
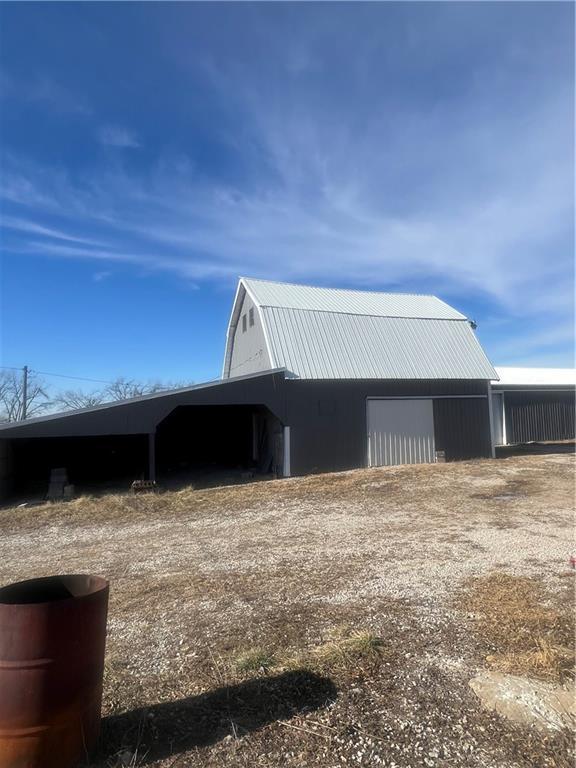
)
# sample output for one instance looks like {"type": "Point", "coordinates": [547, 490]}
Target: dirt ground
{"type": "Point", "coordinates": [331, 620]}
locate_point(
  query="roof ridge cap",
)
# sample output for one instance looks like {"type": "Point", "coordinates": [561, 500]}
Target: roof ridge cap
{"type": "Point", "coordinates": [463, 318]}
{"type": "Point", "coordinates": [343, 290]}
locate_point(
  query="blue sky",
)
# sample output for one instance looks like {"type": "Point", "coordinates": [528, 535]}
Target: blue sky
{"type": "Point", "coordinates": [153, 152]}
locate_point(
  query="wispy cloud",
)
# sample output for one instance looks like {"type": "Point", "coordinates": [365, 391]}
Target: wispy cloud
{"type": "Point", "coordinates": [117, 136]}
{"type": "Point", "coordinates": [467, 192]}
{"type": "Point", "coordinates": [538, 341]}
{"type": "Point", "coordinates": [99, 277]}
{"type": "Point", "coordinates": [324, 220]}
{"type": "Point", "coordinates": [44, 91]}
{"type": "Point", "coordinates": [48, 91]}
{"type": "Point", "coordinates": [31, 227]}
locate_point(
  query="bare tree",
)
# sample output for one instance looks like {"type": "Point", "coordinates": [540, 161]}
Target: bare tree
{"type": "Point", "coordinates": [38, 401]}
{"type": "Point", "coordinates": [119, 389]}
{"type": "Point", "coordinates": [124, 389]}
{"type": "Point", "coordinates": [71, 399]}
{"type": "Point", "coordinates": [12, 396]}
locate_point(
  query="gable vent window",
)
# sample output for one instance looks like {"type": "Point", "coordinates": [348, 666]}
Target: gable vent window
{"type": "Point", "coordinates": [243, 323]}
{"type": "Point", "coordinates": [251, 317]}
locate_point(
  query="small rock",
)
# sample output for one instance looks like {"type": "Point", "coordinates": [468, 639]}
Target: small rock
{"type": "Point", "coordinates": [526, 701]}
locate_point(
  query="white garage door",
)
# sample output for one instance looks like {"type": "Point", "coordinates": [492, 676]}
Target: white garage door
{"type": "Point", "coordinates": [400, 432]}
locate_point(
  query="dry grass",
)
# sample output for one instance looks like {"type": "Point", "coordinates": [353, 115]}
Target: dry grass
{"type": "Point", "coordinates": [343, 655]}
{"type": "Point", "coordinates": [255, 660]}
{"type": "Point", "coordinates": [346, 654]}
{"type": "Point", "coordinates": [525, 632]}
{"type": "Point", "coordinates": [374, 486]}
{"type": "Point", "coordinates": [348, 650]}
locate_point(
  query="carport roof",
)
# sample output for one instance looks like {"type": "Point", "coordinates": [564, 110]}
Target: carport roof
{"type": "Point", "coordinates": [541, 377]}
{"type": "Point", "coordinates": [27, 428]}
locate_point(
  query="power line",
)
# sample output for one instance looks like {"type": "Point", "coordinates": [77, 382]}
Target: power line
{"type": "Point", "coordinates": [58, 375]}
{"type": "Point", "coordinates": [77, 378]}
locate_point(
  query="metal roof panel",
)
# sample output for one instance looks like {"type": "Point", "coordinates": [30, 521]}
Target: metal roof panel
{"type": "Point", "coordinates": [307, 297]}
{"type": "Point", "coordinates": [333, 345]}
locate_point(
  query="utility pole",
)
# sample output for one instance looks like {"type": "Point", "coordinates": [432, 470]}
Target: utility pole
{"type": "Point", "coordinates": [24, 392]}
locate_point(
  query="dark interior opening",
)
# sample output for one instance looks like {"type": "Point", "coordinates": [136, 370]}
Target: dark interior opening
{"type": "Point", "coordinates": [200, 445]}
{"type": "Point", "coordinates": [50, 589]}
{"type": "Point", "coordinates": [204, 442]}
{"type": "Point", "coordinates": [91, 463]}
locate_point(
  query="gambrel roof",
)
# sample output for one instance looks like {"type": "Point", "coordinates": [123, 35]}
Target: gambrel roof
{"type": "Point", "coordinates": [326, 333]}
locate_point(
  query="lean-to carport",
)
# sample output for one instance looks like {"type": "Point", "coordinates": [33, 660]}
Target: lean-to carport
{"type": "Point", "coordinates": [534, 405]}
{"type": "Point", "coordinates": [134, 438]}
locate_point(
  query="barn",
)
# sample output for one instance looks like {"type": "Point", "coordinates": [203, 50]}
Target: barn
{"type": "Point", "coordinates": [314, 379]}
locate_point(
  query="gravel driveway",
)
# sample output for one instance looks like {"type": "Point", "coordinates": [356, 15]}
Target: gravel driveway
{"type": "Point", "coordinates": [199, 578]}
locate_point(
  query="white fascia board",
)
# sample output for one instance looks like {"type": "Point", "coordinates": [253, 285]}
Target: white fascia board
{"type": "Point", "coordinates": [232, 323]}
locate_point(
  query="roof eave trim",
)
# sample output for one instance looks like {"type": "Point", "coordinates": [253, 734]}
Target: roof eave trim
{"type": "Point", "coordinates": [12, 425]}
{"type": "Point", "coordinates": [232, 325]}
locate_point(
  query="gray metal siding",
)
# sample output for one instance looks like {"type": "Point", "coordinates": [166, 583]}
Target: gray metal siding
{"type": "Point", "coordinates": [328, 420]}
{"type": "Point", "coordinates": [536, 416]}
{"type": "Point", "coordinates": [329, 345]}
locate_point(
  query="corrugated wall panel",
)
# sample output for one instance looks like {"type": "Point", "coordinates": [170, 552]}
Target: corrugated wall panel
{"type": "Point", "coordinates": [536, 416]}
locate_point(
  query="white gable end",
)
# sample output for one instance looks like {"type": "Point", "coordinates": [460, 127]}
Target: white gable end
{"type": "Point", "coordinates": [249, 350]}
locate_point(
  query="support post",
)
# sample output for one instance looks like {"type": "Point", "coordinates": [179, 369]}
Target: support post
{"type": "Point", "coordinates": [254, 437]}
{"type": "Point", "coordinates": [286, 463]}
{"type": "Point", "coordinates": [24, 412]}
{"type": "Point", "coordinates": [491, 420]}
{"type": "Point", "coordinates": [152, 456]}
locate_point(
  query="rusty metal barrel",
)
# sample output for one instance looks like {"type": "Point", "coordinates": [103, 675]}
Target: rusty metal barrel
{"type": "Point", "coordinates": [52, 641]}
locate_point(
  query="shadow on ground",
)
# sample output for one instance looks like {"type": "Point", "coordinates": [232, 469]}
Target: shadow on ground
{"type": "Point", "coordinates": [523, 449]}
{"type": "Point", "coordinates": [171, 728]}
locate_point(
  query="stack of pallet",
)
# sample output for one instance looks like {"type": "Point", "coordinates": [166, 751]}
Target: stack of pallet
{"type": "Point", "coordinates": [58, 479]}
{"type": "Point", "coordinates": [144, 486]}
{"type": "Point", "coordinates": [59, 488]}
